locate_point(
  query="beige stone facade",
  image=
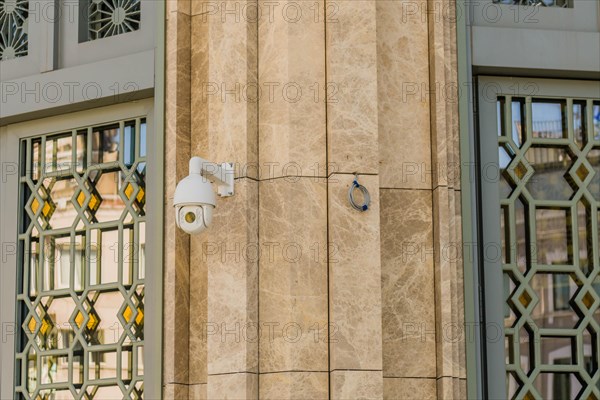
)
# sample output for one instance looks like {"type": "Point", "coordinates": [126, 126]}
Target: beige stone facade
{"type": "Point", "coordinates": [303, 97]}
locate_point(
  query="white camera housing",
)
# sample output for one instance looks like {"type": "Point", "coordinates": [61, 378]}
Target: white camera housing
{"type": "Point", "coordinates": [194, 198]}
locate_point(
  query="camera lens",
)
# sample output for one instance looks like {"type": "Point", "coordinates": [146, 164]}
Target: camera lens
{"type": "Point", "coordinates": [190, 217]}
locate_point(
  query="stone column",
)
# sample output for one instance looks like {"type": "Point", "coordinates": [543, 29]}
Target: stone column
{"type": "Point", "coordinates": [224, 261]}
{"type": "Point", "coordinates": [177, 243]}
{"type": "Point", "coordinates": [352, 147]}
{"type": "Point", "coordinates": [293, 201]}
{"type": "Point", "coordinates": [409, 315]}
{"type": "Point", "coordinates": [451, 381]}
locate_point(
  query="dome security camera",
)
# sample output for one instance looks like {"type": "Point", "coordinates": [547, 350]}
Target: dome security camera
{"type": "Point", "coordinates": [194, 198]}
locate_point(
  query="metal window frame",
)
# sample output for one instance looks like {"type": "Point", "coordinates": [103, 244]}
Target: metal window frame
{"type": "Point", "coordinates": [491, 351]}
{"type": "Point", "coordinates": [467, 33]}
{"type": "Point", "coordinates": [10, 137]}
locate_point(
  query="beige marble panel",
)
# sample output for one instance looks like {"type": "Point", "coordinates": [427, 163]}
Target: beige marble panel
{"type": "Point", "coordinates": [197, 392]}
{"type": "Point", "coordinates": [176, 246]}
{"type": "Point", "coordinates": [403, 94]}
{"type": "Point", "coordinates": [199, 105]}
{"type": "Point", "coordinates": [437, 79]}
{"type": "Point", "coordinates": [352, 126]}
{"type": "Point", "coordinates": [356, 385]}
{"type": "Point", "coordinates": [448, 388]}
{"type": "Point", "coordinates": [198, 265]}
{"type": "Point", "coordinates": [238, 386]}
{"type": "Point", "coordinates": [198, 312]}
{"type": "Point", "coordinates": [408, 292]}
{"type": "Point", "coordinates": [463, 388]}
{"type": "Point", "coordinates": [204, 7]}
{"type": "Point", "coordinates": [443, 282]}
{"type": "Point", "coordinates": [454, 178]}
{"type": "Point", "coordinates": [292, 89]}
{"type": "Point", "coordinates": [175, 391]}
{"type": "Point", "coordinates": [294, 385]}
{"type": "Point", "coordinates": [354, 277]}
{"type": "Point", "coordinates": [409, 389]}
{"type": "Point", "coordinates": [232, 283]}
{"type": "Point", "coordinates": [293, 275]}
{"type": "Point", "coordinates": [182, 6]}
{"type": "Point", "coordinates": [449, 283]}
{"type": "Point", "coordinates": [224, 76]}
{"type": "Point", "coordinates": [224, 128]}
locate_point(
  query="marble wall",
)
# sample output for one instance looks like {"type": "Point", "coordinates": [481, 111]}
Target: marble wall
{"type": "Point", "coordinates": [292, 293]}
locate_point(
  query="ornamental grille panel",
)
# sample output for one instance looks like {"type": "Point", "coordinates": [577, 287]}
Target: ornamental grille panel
{"type": "Point", "coordinates": [107, 18]}
{"type": "Point", "coordinates": [14, 16]}
{"type": "Point", "coordinates": [549, 159]}
{"type": "Point", "coordinates": [538, 3]}
{"type": "Point", "coordinates": [80, 291]}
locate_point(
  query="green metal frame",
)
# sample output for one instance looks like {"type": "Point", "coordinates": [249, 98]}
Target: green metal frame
{"type": "Point", "coordinates": [155, 224]}
{"type": "Point", "coordinates": [469, 206]}
{"type": "Point", "coordinates": [477, 353]}
{"type": "Point", "coordinates": [39, 191]}
{"type": "Point", "coordinates": [9, 139]}
{"type": "Point", "coordinates": [493, 269]}
{"type": "Point", "coordinates": [11, 136]}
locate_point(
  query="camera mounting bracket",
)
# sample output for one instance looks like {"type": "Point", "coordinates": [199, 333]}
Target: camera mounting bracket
{"type": "Point", "coordinates": [221, 174]}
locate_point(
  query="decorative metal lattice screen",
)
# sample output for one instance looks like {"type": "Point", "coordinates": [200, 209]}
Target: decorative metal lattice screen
{"type": "Point", "coordinates": [549, 155]}
{"type": "Point", "coordinates": [80, 301]}
{"type": "Point", "coordinates": [107, 18]}
{"type": "Point", "coordinates": [14, 16]}
{"type": "Point", "coordinates": [538, 3]}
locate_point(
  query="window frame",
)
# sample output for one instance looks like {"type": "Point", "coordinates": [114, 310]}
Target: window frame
{"type": "Point", "coordinates": [40, 34]}
{"type": "Point", "coordinates": [491, 306]}
{"type": "Point", "coordinates": [72, 52]}
{"type": "Point", "coordinates": [10, 137]}
{"type": "Point", "coordinates": [53, 45]}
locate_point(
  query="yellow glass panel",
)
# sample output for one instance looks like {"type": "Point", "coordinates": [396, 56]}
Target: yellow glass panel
{"type": "Point", "coordinates": [31, 325]}
{"type": "Point", "coordinates": [47, 208]}
{"type": "Point", "coordinates": [45, 328]}
{"type": "Point", "coordinates": [127, 314]}
{"type": "Point", "coordinates": [129, 190]}
{"type": "Point", "coordinates": [35, 205]}
{"type": "Point", "coordinates": [140, 317]}
{"type": "Point", "coordinates": [582, 172]}
{"type": "Point", "coordinates": [588, 300]}
{"type": "Point", "coordinates": [525, 299]}
{"type": "Point", "coordinates": [140, 196]}
{"type": "Point", "coordinates": [520, 171]}
{"type": "Point", "coordinates": [94, 203]}
{"type": "Point", "coordinates": [81, 199]}
{"type": "Point", "coordinates": [92, 322]}
{"type": "Point", "coordinates": [79, 319]}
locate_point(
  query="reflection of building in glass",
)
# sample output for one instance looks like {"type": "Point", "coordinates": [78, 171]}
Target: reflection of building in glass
{"type": "Point", "coordinates": [548, 241]}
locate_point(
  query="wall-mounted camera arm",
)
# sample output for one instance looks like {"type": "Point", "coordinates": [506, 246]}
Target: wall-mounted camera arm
{"type": "Point", "coordinates": [221, 174]}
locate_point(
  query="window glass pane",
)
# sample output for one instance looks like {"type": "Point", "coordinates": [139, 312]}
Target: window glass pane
{"type": "Point", "coordinates": [549, 118]}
